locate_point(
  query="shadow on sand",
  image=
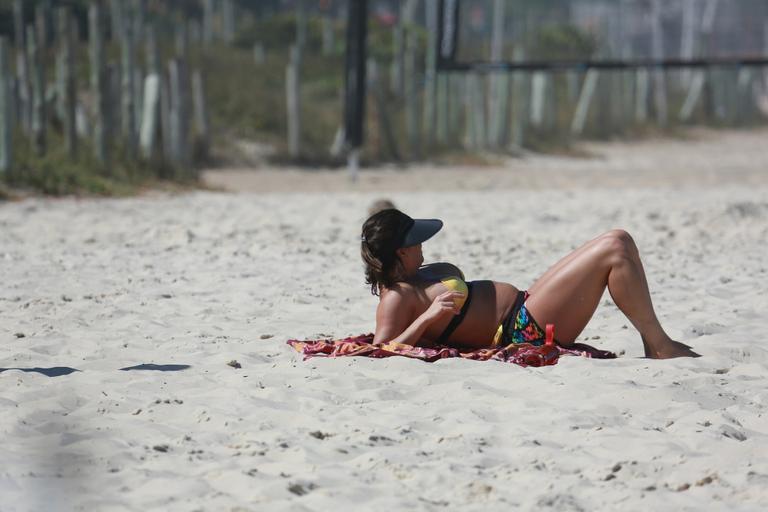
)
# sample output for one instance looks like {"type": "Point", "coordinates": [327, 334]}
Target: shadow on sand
{"type": "Point", "coordinates": [157, 367]}
{"type": "Point", "coordinates": [56, 371]}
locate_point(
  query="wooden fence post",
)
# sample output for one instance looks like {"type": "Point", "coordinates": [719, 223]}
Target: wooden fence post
{"type": "Point", "coordinates": [139, 20]}
{"type": "Point", "coordinates": [259, 55]}
{"type": "Point", "coordinates": [585, 100]}
{"type": "Point", "coordinates": [99, 87]}
{"type": "Point", "coordinates": [396, 73]}
{"type": "Point", "coordinates": [411, 81]}
{"type": "Point", "coordinates": [127, 90]}
{"type": "Point", "coordinates": [202, 124]}
{"type": "Point", "coordinates": [301, 28]}
{"type": "Point", "coordinates": [456, 105]}
{"type": "Point", "coordinates": [443, 102]}
{"type": "Point", "coordinates": [150, 117]}
{"type": "Point", "coordinates": [641, 99]}
{"type": "Point", "coordinates": [6, 104]}
{"type": "Point", "coordinates": [209, 10]}
{"type": "Point", "coordinates": [382, 112]}
{"type": "Point", "coordinates": [229, 21]}
{"type": "Point", "coordinates": [328, 35]}
{"type": "Point", "coordinates": [659, 76]}
{"type": "Point", "coordinates": [430, 74]}
{"type": "Point", "coordinates": [116, 18]}
{"type": "Point", "coordinates": [67, 90]}
{"type": "Point", "coordinates": [178, 114]}
{"type": "Point", "coordinates": [166, 129]}
{"type": "Point", "coordinates": [42, 25]}
{"type": "Point", "coordinates": [293, 102]}
{"type": "Point", "coordinates": [521, 91]}
{"type": "Point", "coordinates": [499, 112]}
{"type": "Point", "coordinates": [37, 68]}
{"type": "Point", "coordinates": [538, 98]}
{"type": "Point", "coordinates": [24, 110]}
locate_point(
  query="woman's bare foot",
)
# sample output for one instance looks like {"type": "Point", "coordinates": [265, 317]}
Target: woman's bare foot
{"type": "Point", "coordinates": [669, 349]}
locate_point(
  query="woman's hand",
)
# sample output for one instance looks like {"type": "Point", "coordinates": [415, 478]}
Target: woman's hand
{"type": "Point", "coordinates": [443, 305]}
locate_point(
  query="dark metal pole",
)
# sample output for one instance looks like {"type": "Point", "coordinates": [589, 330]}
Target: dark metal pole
{"type": "Point", "coordinates": [354, 104]}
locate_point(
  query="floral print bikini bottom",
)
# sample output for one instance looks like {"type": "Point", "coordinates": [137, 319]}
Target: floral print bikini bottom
{"type": "Point", "coordinates": [519, 326]}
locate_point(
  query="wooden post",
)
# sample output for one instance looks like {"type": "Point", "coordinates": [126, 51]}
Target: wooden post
{"type": "Point", "coordinates": [6, 105]}
{"type": "Point", "coordinates": [166, 130]}
{"type": "Point", "coordinates": [229, 25]}
{"type": "Point", "coordinates": [127, 101]}
{"type": "Point", "coordinates": [37, 68]}
{"type": "Point", "coordinates": [152, 51]}
{"type": "Point", "coordinates": [538, 98]}
{"type": "Point", "coordinates": [115, 92]}
{"type": "Point", "coordinates": [744, 96]}
{"type": "Point", "coordinates": [688, 37]}
{"type": "Point", "coordinates": [659, 76]}
{"type": "Point", "coordinates": [42, 25]}
{"type": "Point", "coordinates": [24, 110]}
{"type": "Point", "coordinates": [67, 83]}
{"type": "Point", "coordinates": [499, 113]}
{"type": "Point", "coordinates": [443, 108]}
{"type": "Point", "coordinates": [181, 103]}
{"type": "Point", "coordinates": [139, 21]}
{"type": "Point", "coordinates": [585, 100]}
{"type": "Point", "coordinates": [430, 74]}
{"type": "Point", "coordinates": [202, 125]}
{"type": "Point", "coordinates": [179, 128]}
{"type": "Point", "coordinates": [116, 18]}
{"type": "Point", "coordinates": [476, 111]}
{"type": "Point", "coordinates": [150, 117]}
{"type": "Point", "coordinates": [470, 131]}
{"type": "Point", "coordinates": [293, 102]}
{"type": "Point", "coordinates": [382, 110]}
{"type": "Point", "coordinates": [411, 81]}
{"type": "Point", "coordinates": [18, 23]}
{"type": "Point", "coordinates": [521, 92]}
{"type": "Point", "coordinates": [641, 100]}
{"type": "Point", "coordinates": [301, 28]}
{"type": "Point", "coordinates": [695, 88]}
{"type": "Point", "coordinates": [455, 112]}
{"type": "Point", "coordinates": [259, 55]}
{"type": "Point", "coordinates": [99, 87]}
{"type": "Point", "coordinates": [209, 10]}
{"type": "Point", "coordinates": [328, 35]}
{"type": "Point", "coordinates": [396, 73]}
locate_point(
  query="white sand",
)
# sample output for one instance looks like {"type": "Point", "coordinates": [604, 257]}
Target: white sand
{"type": "Point", "coordinates": [205, 278]}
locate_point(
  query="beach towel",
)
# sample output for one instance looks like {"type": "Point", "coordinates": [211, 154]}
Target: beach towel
{"type": "Point", "coordinates": [523, 354]}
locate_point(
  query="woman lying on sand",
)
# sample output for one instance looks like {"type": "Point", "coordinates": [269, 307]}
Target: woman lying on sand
{"type": "Point", "coordinates": [429, 304]}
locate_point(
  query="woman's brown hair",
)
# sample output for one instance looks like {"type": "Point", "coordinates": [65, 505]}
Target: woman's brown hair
{"type": "Point", "coordinates": [382, 236]}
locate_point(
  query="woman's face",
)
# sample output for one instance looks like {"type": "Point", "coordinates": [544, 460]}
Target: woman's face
{"type": "Point", "coordinates": [411, 258]}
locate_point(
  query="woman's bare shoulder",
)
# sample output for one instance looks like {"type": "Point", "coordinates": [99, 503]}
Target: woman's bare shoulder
{"type": "Point", "coordinates": [396, 299]}
{"type": "Point", "coordinates": [398, 291]}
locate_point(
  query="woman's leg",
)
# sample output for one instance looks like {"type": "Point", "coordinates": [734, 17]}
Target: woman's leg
{"type": "Point", "coordinates": [569, 292]}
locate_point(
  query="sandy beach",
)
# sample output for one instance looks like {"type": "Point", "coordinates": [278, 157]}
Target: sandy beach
{"type": "Point", "coordinates": [144, 363]}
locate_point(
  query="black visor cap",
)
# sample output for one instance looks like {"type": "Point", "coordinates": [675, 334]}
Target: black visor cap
{"type": "Point", "coordinates": [420, 231]}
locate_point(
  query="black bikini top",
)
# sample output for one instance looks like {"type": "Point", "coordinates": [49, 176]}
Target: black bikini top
{"type": "Point", "coordinates": [457, 319]}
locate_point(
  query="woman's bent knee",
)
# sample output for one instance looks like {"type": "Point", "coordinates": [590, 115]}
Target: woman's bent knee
{"type": "Point", "coordinates": [617, 245]}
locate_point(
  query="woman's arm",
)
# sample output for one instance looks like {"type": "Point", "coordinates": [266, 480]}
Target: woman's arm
{"type": "Point", "coordinates": [393, 316]}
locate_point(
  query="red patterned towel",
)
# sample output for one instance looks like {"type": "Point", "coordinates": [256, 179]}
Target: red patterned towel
{"type": "Point", "coordinates": [523, 354]}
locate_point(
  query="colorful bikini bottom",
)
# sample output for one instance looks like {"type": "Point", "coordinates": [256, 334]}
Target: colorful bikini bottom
{"type": "Point", "coordinates": [519, 326]}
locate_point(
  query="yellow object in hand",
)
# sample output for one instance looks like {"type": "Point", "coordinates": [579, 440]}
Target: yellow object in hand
{"type": "Point", "coordinates": [456, 285]}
